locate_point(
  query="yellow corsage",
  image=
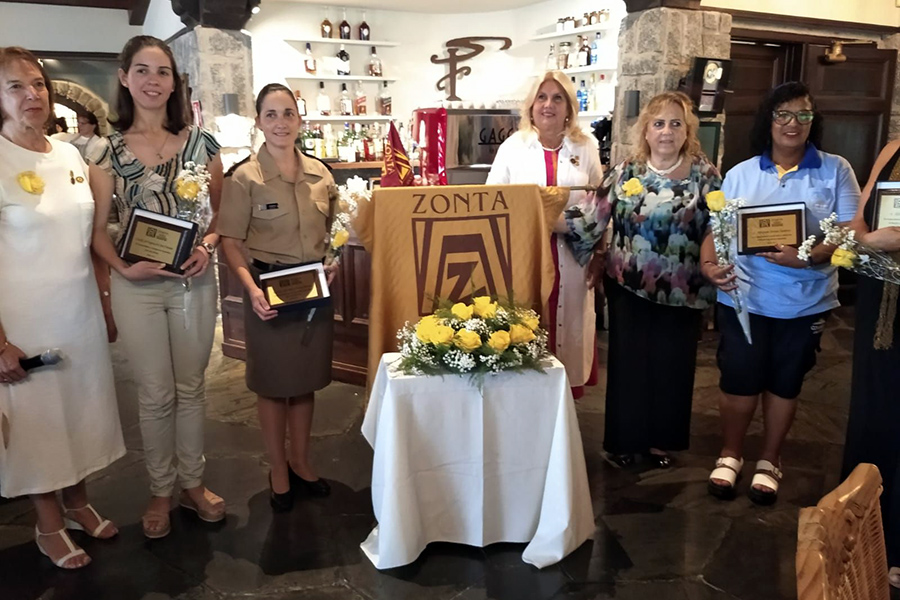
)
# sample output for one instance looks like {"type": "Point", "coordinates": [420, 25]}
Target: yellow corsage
{"type": "Point", "coordinates": [340, 238]}
{"type": "Point", "coordinates": [187, 189]}
{"type": "Point", "coordinates": [31, 182]}
{"type": "Point", "coordinates": [843, 258]}
{"type": "Point", "coordinates": [715, 200]}
{"type": "Point", "coordinates": [632, 187]}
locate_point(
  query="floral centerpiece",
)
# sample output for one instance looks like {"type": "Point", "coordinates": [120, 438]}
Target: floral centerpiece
{"type": "Point", "coordinates": [473, 339]}
{"type": "Point", "coordinates": [723, 215]}
{"type": "Point", "coordinates": [851, 254]}
{"type": "Point", "coordinates": [348, 198]}
{"type": "Point", "coordinates": [192, 189]}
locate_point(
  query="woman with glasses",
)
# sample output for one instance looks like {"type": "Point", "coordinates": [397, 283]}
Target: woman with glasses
{"type": "Point", "coordinates": [788, 298]}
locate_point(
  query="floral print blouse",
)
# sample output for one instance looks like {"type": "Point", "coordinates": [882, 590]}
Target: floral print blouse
{"type": "Point", "coordinates": [658, 225]}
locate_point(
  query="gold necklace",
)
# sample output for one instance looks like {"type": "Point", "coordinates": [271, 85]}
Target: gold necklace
{"type": "Point", "coordinates": [159, 155]}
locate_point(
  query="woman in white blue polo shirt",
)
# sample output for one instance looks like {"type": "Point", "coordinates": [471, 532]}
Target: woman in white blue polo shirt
{"type": "Point", "coordinates": [788, 299]}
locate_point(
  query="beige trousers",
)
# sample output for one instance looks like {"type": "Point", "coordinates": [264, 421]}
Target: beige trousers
{"type": "Point", "coordinates": [168, 334]}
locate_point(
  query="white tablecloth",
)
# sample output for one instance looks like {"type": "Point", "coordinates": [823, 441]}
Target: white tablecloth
{"type": "Point", "coordinates": [457, 464]}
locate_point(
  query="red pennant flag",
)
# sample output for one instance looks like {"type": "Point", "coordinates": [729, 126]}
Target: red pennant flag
{"type": "Point", "coordinates": [396, 171]}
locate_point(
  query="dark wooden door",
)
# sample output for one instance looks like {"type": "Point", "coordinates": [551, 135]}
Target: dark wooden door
{"type": "Point", "coordinates": [854, 98]}
{"type": "Point", "coordinates": [756, 68]}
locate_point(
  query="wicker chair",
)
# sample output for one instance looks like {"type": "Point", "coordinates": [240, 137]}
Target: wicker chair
{"type": "Point", "coordinates": [840, 543]}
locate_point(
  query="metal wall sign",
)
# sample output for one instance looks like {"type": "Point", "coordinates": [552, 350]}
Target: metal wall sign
{"type": "Point", "coordinates": [453, 58]}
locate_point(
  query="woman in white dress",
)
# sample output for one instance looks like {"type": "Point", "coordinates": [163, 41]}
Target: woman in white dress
{"type": "Point", "coordinates": [550, 149]}
{"type": "Point", "coordinates": [58, 424]}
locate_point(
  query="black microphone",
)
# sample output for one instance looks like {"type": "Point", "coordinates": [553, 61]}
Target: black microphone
{"type": "Point", "coordinates": [45, 358]}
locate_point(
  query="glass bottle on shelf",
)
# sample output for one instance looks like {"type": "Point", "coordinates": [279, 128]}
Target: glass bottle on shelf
{"type": "Point", "coordinates": [592, 95]}
{"type": "Point", "coordinates": [344, 145]}
{"type": "Point", "coordinates": [562, 55]}
{"type": "Point", "coordinates": [604, 15]}
{"type": "Point", "coordinates": [309, 63]}
{"type": "Point", "coordinates": [301, 103]}
{"type": "Point", "coordinates": [359, 100]}
{"type": "Point", "coordinates": [582, 52]}
{"type": "Point", "coordinates": [595, 49]}
{"type": "Point", "coordinates": [375, 69]}
{"type": "Point", "coordinates": [551, 58]}
{"type": "Point", "coordinates": [595, 17]}
{"type": "Point", "coordinates": [384, 101]}
{"type": "Point", "coordinates": [586, 52]}
{"type": "Point", "coordinates": [344, 27]}
{"type": "Point", "coordinates": [318, 142]}
{"type": "Point", "coordinates": [586, 20]}
{"type": "Point", "coordinates": [560, 25]}
{"type": "Point", "coordinates": [345, 103]}
{"type": "Point", "coordinates": [326, 28]}
{"type": "Point", "coordinates": [308, 143]}
{"type": "Point", "coordinates": [364, 32]}
{"type": "Point", "coordinates": [323, 102]}
{"type": "Point", "coordinates": [344, 65]}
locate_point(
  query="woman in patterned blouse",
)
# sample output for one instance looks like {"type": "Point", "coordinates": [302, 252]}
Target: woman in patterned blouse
{"type": "Point", "coordinates": [653, 282]}
{"type": "Point", "coordinates": [166, 322]}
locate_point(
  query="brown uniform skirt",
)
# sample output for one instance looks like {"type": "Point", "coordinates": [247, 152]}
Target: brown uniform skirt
{"type": "Point", "coordinates": [289, 355]}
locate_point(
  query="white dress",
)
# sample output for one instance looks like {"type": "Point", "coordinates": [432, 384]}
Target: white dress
{"type": "Point", "coordinates": [62, 422]}
{"type": "Point", "coordinates": [520, 159]}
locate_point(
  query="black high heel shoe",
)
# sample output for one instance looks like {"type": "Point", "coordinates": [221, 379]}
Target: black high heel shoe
{"type": "Point", "coordinates": [280, 502]}
{"type": "Point", "coordinates": [317, 489]}
{"type": "Point", "coordinates": [658, 461]}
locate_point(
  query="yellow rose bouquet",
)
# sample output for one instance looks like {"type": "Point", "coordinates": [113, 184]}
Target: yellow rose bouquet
{"type": "Point", "coordinates": [473, 338]}
{"type": "Point", "coordinates": [851, 254]}
{"type": "Point", "coordinates": [192, 189]}
{"type": "Point", "coordinates": [347, 202]}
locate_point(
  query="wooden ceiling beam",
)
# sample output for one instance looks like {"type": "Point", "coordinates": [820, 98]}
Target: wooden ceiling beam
{"type": "Point", "coordinates": [138, 12]}
{"type": "Point", "coordinates": [113, 4]}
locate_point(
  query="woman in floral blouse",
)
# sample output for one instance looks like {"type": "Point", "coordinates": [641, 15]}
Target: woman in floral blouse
{"type": "Point", "coordinates": [653, 282]}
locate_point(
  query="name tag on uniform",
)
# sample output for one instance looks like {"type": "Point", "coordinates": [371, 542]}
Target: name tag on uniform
{"type": "Point", "coordinates": [269, 206]}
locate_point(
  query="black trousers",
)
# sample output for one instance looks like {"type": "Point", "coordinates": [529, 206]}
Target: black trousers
{"type": "Point", "coordinates": [650, 373]}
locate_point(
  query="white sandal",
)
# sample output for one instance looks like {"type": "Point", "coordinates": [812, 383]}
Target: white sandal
{"type": "Point", "coordinates": [74, 551]}
{"type": "Point", "coordinates": [727, 469]}
{"type": "Point", "coordinates": [76, 526]}
{"type": "Point", "coordinates": [767, 475]}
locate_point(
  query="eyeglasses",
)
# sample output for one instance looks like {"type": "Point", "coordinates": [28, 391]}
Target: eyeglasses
{"type": "Point", "coordinates": [783, 117]}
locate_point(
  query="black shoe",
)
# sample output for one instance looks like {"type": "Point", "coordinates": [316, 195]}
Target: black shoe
{"type": "Point", "coordinates": [658, 461]}
{"type": "Point", "coordinates": [620, 461]}
{"type": "Point", "coordinates": [280, 502]}
{"type": "Point", "coordinates": [318, 488]}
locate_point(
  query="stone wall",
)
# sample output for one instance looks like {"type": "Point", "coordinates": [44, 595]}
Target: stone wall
{"type": "Point", "coordinates": [656, 48]}
{"type": "Point", "coordinates": [217, 62]}
{"type": "Point", "coordinates": [85, 98]}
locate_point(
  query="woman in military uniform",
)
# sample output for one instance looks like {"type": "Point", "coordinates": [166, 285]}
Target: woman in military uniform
{"type": "Point", "coordinates": [276, 210]}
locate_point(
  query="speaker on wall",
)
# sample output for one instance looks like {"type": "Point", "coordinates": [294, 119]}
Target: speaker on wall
{"type": "Point", "coordinates": [632, 103]}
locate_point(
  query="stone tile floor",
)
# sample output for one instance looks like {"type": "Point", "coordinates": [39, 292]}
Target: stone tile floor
{"type": "Point", "coordinates": [659, 535]}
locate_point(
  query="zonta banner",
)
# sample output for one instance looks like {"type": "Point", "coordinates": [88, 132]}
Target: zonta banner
{"type": "Point", "coordinates": [454, 242]}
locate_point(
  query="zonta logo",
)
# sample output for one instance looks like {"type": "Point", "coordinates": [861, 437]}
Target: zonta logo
{"type": "Point", "coordinates": [462, 247]}
{"type": "Point", "coordinates": [454, 57]}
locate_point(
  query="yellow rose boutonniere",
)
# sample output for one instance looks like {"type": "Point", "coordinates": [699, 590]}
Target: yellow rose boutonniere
{"type": "Point", "coordinates": [484, 308]}
{"type": "Point", "coordinates": [31, 182]}
{"type": "Point", "coordinates": [632, 187]}
{"type": "Point", "coordinates": [462, 311]}
{"type": "Point", "coordinates": [715, 200]}
{"type": "Point", "coordinates": [499, 341]}
{"type": "Point", "coordinates": [519, 334]}
{"type": "Point", "coordinates": [189, 190]}
{"type": "Point", "coordinates": [843, 258]}
{"type": "Point", "coordinates": [340, 238]}
{"type": "Point", "coordinates": [467, 340]}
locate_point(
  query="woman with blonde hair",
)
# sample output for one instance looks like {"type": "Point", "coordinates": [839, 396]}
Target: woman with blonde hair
{"type": "Point", "coordinates": [550, 149]}
{"type": "Point", "coordinates": [653, 280]}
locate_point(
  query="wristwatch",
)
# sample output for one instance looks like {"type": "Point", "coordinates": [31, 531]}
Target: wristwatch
{"type": "Point", "coordinates": [210, 249]}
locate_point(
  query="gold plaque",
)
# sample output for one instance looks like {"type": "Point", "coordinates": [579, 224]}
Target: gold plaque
{"type": "Point", "coordinates": [762, 228]}
{"type": "Point", "coordinates": [158, 238]}
{"type": "Point", "coordinates": [305, 286]}
{"type": "Point", "coordinates": [887, 205]}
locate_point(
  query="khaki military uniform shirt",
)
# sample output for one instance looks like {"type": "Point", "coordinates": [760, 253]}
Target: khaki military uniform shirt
{"type": "Point", "coordinates": [281, 222]}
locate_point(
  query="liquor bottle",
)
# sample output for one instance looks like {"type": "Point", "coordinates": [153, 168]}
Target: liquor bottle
{"type": "Point", "coordinates": [323, 102]}
{"type": "Point", "coordinates": [344, 27]}
{"type": "Point", "coordinates": [364, 29]}
{"type": "Point", "coordinates": [585, 52]}
{"type": "Point", "coordinates": [595, 49]}
{"type": "Point", "coordinates": [344, 66]}
{"type": "Point", "coordinates": [562, 55]}
{"type": "Point", "coordinates": [592, 95]}
{"type": "Point", "coordinates": [318, 142]}
{"type": "Point", "coordinates": [345, 145]}
{"type": "Point", "coordinates": [582, 97]}
{"type": "Point", "coordinates": [374, 64]}
{"type": "Point", "coordinates": [345, 103]}
{"type": "Point", "coordinates": [551, 58]}
{"type": "Point", "coordinates": [384, 101]}
{"type": "Point", "coordinates": [301, 103]}
{"type": "Point", "coordinates": [359, 100]}
{"type": "Point", "coordinates": [309, 143]}
{"type": "Point", "coordinates": [581, 57]}
{"type": "Point", "coordinates": [310, 61]}
{"type": "Point", "coordinates": [326, 28]}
